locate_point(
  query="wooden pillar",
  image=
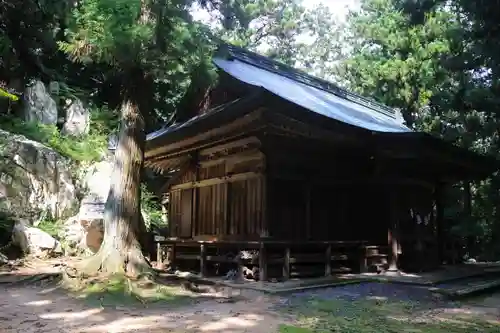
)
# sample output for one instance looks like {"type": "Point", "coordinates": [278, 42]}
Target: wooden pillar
{"type": "Point", "coordinates": [393, 235]}
{"type": "Point", "coordinates": [308, 211]}
{"type": "Point", "coordinates": [441, 242]}
{"type": "Point", "coordinates": [467, 197]}
{"type": "Point", "coordinates": [171, 253]}
{"type": "Point", "coordinates": [159, 255]}
{"type": "Point", "coordinates": [203, 260]}
{"type": "Point", "coordinates": [239, 262]}
{"type": "Point", "coordinates": [286, 264]}
{"type": "Point", "coordinates": [328, 260]}
{"type": "Point", "coordinates": [262, 263]}
{"type": "Point", "coordinates": [265, 207]}
{"type": "Point", "coordinates": [363, 259]}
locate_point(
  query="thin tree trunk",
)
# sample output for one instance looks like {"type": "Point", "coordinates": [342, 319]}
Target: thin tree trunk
{"type": "Point", "coordinates": [121, 249]}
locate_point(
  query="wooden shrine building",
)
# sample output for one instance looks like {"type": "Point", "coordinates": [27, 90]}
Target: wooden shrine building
{"type": "Point", "coordinates": [288, 175]}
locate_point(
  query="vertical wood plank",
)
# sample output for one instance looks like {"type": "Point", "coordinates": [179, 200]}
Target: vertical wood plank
{"type": "Point", "coordinates": [214, 198]}
{"type": "Point", "coordinates": [225, 211]}
{"type": "Point", "coordinates": [196, 199]}
{"type": "Point", "coordinates": [264, 232]}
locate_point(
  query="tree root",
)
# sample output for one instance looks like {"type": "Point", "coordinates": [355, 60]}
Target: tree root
{"type": "Point", "coordinates": [38, 278]}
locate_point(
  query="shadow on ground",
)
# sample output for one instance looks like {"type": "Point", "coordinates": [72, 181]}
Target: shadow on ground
{"type": "Point", "coordinates": [40, 304]}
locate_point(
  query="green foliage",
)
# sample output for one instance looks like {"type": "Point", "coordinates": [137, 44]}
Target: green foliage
{"type": "Point", "coordinates": [395, 61]}
{"type": "Point", "coordinates": [118, 290]}
{"type": "Point", "coordinates": [83, 149]}
{"type": "Point", "coordinates": [367, 316]}
{"type": "Point", "coordinates": [152, 207]}
{"type": "Point", "coordinates": [425, 60]}
{"type": "Point", "coordinates": [52, 227]}
{"type": "Point", "coordinates": [279, 29]}
{"type": "Point", "coordinates": [5, 94]}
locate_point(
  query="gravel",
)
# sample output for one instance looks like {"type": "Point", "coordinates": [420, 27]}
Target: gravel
{"type": "Point", "coordinates": [362, 291]}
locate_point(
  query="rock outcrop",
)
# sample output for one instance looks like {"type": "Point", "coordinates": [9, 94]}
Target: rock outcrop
{"type": "Point", "coordinates": [34, 241]}
{"type": "Point", "coordinates": [77, 119]}
{"type": "Point", "coordinates": [35, 181]}
{"type": "Point", "coordinates": [39, 105]}
{"type": "Point", "coordinates": [85, 230]}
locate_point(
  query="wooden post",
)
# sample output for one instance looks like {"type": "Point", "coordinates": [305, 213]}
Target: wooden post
{"type": "Point", "coordinates": [171, 256]}
{"type": "Point", "coordinates": [265, 207]}
{"type": "Point", "coordinates": [393, 232]}
{"type": "Point", "coordinates": [308, 211]}
{"type": "Point", "coordinates": [286, 264]}
{"type": "Point", "coordinates": [159, 255]}
{"type": "Point", "coordinates": [262, 263]}
{"type": "Point", "coordinates": [203, 261]}
{"type": "Point", "coordinates": [239, 262]}
{"type": "Point", "coordinates": [328, 260]}
{"type": "Point", "coordinates": [440, 223]}
{"type": "Point", "coordinates": [363, 261]}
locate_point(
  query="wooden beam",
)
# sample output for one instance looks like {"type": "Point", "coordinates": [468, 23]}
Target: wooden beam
{"type": "Point", "coordinates": [205, 139]}
{"type": "Point", "coordinates": [286, 124]}
{"type": "Point", "coordinates": [251, 141]}
{"type": "Point", "coordinates": [249, 155]}
{"type": "Point", "coordinates": [216, 181]}
{"type": "Point", "coordinates": [182, 169]}
{"type": "Point", "coordinates": [348, 181]}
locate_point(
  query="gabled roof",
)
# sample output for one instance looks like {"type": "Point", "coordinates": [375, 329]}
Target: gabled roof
{"type": "Point", "coordinates": [307, 91]}
{"type": "Point", "coordinates": [383, 125]}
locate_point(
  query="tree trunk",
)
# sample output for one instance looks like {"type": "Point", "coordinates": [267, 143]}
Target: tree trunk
{"type": "Point", "coordinates": [121, 249]}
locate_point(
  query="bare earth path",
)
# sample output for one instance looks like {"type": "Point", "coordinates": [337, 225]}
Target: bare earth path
{"type": "Point", "coordinates": [32, 309]}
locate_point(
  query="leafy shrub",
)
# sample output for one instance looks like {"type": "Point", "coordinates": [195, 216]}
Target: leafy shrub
{"type": "Point", "coordinates": [52, 227]}
{"type": "Point", "coordinates": [86, 148]}
{"type": "Point", "coordinates": [152, 207]}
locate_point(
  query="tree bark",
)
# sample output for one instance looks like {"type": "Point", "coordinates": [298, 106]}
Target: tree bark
{"type": "Point", "coordinates": [121, 249]}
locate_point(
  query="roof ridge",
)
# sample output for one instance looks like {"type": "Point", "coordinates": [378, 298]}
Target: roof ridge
{"type": "Point", "coordinates": [270, 65]}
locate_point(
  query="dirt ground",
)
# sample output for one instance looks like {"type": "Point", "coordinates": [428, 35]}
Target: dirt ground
{"type": "Point", "coordinates": [29, 309]}
{"type": "Point", "coordinates": [34, 308]}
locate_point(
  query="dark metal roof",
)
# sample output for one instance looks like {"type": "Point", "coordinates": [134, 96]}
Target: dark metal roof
{"type": "Point", "coordinates": [307, 91]}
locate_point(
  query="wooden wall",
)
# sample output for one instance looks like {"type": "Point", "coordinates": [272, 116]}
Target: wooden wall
{"type": "Point", "coordinates": [283, 190]}
{"type": "Point", "coordinates": [222, 195]}
{"type": "Point", "coordinates": [321, 212]}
